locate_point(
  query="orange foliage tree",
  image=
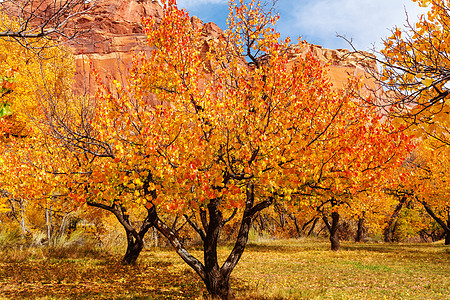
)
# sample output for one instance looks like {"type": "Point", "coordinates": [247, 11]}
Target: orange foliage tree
{"type": "Point", "coordinates": [427, 182]}
{"type": "Point", "coordinates": [26, 78]}
{"type": "Point", "coordinates": [415, 79]}
{"type": "Point", "coordinates": [415, 71]}
{"type": "Point", "coordinates": [357, 159]}
{"type": "Point", "coordinates": [235, 132]}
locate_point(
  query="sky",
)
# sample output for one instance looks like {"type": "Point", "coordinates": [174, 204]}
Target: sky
{"type": "Point", "coordinates": [365, 22]}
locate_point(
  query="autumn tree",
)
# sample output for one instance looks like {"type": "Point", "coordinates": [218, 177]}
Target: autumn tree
{"type": "Point", "coordinates": [27, 30]}
{"type": "Point", "coordinates": [237, 130]}
{"type": "Point", "coordinates": [427, 183]}
{"type": "Point", "coordinates": [414, 72]}
{"type": "Point", "coordinates": [357, 158]}
{"type": "Point", "coordinates": [35, 26]}
{"type": "Point", "coordinates": [415, 77]}
{"type": "Point", "coordinates": [26, 77]}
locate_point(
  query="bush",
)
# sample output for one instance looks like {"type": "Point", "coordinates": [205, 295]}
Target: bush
{"type": "Point", "coordinates": [11, 237]}
{"type": "Point", "coordinates": [76, 245]}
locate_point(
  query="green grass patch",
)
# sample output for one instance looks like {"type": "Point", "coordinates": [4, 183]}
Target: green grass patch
{"type": "Point", "coordinates": [287, 269]}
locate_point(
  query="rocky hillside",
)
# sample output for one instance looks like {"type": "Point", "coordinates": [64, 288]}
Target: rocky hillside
{"type": "Point", "coordinates": [115, 35]}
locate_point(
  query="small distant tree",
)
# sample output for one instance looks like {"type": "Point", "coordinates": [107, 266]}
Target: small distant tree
{"type": "Point", "coordinates": [428, 182]}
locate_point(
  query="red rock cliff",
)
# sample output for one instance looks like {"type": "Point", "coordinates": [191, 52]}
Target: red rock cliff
{"type": "Point", "coordinates": [116, 35]}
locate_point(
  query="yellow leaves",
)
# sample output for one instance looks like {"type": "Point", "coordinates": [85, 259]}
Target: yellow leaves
{"type": "Point", "coordinates": [4, 207]}
{"type": "Point", "coordinates": [442, 117]}
{"type": "Point", "coordinates": [423, 52]}
{"type": "Point", "coordinates": [427, 172]}
{"type": "Point", "coordinates": [138, 181]}
{"type": "Point", "coordinates": [432, 127]}
{"type": "Point", "coordinates": [427, 82]}
{"type": "Point", "coordinates": [423, 3]}
{"type": "Point", "coordinates": [447, 102]}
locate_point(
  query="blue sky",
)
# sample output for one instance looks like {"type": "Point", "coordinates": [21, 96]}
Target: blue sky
{"type": "Point", "coordinates": [366, 22]}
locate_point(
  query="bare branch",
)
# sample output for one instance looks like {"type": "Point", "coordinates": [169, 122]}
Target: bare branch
{"type": "Point", "coordinates": [30, 21]}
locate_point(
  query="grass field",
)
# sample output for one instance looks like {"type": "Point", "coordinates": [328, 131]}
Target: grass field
{"type": "Point", "coordinates": [288, 269]}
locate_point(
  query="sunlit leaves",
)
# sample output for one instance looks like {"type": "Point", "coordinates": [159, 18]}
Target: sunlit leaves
{"type": "Point", "coordinates": [30, 160]}
{"type": "Point", "coordinates": [223, 123]}
{"type": "Point", "coordinates": [201, 119]}
{"type": "Point", "coordinates": [415, 67]}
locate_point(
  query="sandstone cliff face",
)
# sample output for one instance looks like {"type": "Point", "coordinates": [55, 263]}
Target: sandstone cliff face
{"type": "Point", "coordinates": [116, 35]}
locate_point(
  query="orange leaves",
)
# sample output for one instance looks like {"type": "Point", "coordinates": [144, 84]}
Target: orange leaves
{"type": "Point", "coordinates": [415, 69]}
{"type": "Point", "coordinates": [423, 3]}
{"type": "Point", "coordinates": [427, 170]}
{"type": "Point", "coordinates": [219, 123]}
{"type": "Point", "coordinates": [427, 82]}
{"type": "Point", "coordinates": [398, 33]}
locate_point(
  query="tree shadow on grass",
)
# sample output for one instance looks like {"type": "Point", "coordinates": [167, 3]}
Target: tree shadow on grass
{"type": "Point", "coordinates": [102, 278]}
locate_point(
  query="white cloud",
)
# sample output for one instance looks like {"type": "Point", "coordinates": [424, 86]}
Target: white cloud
{"type": "Point", "coordinates": [365, 21]}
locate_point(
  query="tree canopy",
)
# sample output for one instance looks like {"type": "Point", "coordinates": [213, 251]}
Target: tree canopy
{"type": "Point", "coordinates": [237, 129]}
{"type": "Point", "coordinates": [415, 71]}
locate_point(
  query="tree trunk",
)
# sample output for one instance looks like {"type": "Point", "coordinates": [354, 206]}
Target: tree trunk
{"type": "Point", "coordinates": [135, 239]}
{"type": "Point", "coordinates": [22, 218]}
{"type": "Point", "coordinates": [134, 248]}
{"type": "Point", "coordinates": [216, 279]}
{"type": "Point", "coordinates": [334, 234]}
{"type": "Point", "coordinates": [360, 230]}
{"type": "Point", "coordinates": [49, 221]}
{"type": "Point", "coordinates": [447, 232]}
{"type": "Point", "coordinates": [155, 237]}
{"type": "Point", "coordinates": [297, 228]}
{"type": "Point", "coordinates": [300, 231]}
{"type": "Point", "coordinates": [63, 227]}
{"type": "Point", "coordinates": [22, 205]}
{"type": "Point", "coordinates": [441, 222]}
{"type": "Point", "coordinates": [387, 233]}
{"type": "Point", "coordinates": [333, 229]}
{"type": "Point", "coordinates": [311, 230]}
{"type": "Point", "coordinates": [335, 243]}
{"type": "Point", "coordinates": [217, 285]}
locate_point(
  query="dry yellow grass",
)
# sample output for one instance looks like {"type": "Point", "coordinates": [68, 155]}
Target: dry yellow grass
{"type": "Point", "coordinates": [285, 269]}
